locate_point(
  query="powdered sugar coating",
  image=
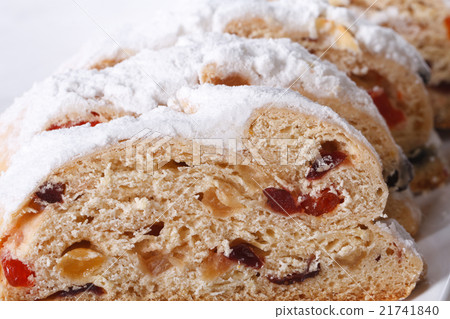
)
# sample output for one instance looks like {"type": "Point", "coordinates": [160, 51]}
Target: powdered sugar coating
{"type": "Point", "coordinates": [292, 15]}
{"type": "Point", "coordinates": [295, 15]}
{"type": "Point", "coordinates": [139, 84]}
{"type": "Point", "coordinates": [386, 42]}
{"type": "Point", "coordinates": [379, 17]}
{"type": "Point", "coordinates": [221, 112]}
{"type": "Point", "coordinates": [392, 227]}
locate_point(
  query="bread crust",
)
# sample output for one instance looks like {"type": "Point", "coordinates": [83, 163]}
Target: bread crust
{"type": "Point", "coordinates": [218, 60]}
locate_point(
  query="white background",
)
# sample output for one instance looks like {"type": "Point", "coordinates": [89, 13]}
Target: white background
{"type": "Point", "coordinates": [36, 36]}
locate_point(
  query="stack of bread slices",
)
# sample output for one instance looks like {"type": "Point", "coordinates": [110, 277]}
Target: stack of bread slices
{"type": "Point", "coordinates": [250, 150]}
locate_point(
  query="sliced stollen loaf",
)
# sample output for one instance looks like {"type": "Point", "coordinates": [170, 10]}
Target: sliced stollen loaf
{"type": "Point", "coordinates": [372, 55]}
{"type": "Point", "coordinates": [426, 25]}
{"type": "Point", "coordinates": [376, 58]}
{"type": "Point", "coordinates": [151, 77]}
{"type": "Point", "coordinates": [217, 210]}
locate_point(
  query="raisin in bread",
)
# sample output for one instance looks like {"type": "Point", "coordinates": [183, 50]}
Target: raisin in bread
{"type": "Point", "coordinates": [216, 59]}
{"type": "Point", "coordinates": [203, 204]}
{"type": "Point", "coordinates": [376, 58]}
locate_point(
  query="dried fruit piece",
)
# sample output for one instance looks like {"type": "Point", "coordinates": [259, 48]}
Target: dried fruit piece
{"type": "Point", "coordinates": [342, 37]}
{"type": "Point", "coordinates": [392, 115]}
{"type": "Point", "coordinates": [228, 195]}
{"type": "Point", "coordinates": [295, 277]}
{"type": "Point", "coordinates": [178, 255]}
{"type": "Point", "coordinates": [74, 291]}
{"type": "Point", "coordinates": [281, 201]}
{"type": "Point", "coordinates": [17, 273]}
{"type": "Point", "coordinates": [80, 244]}
{"type": "Point", "coordinates": [80, 263]}
{"type": "Point", "coordinates": [36, 205]}
{"type": "Point", "coordinates": [221, 201]}
{"type": "Point", "coordinates": [447, 25]}
{"type": "Point", "coordinates": [325, 163]}
{"type": "Point", "coordinates": [246, 254]}
{"type": "Point", "coordinates": [215, 206]}
{"type": "Point", "coordinates": [156, 262]}
{"type": "Point", "coordinates": [215, 265]}
{"type": "Point", "coordinates": [325, 203]}
{"type": "Point", "coordinates": [71, 124]}
{"type": "Point", "coordinates": [51, 192]}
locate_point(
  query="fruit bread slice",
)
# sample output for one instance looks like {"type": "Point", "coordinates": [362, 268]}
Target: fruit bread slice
{"type": "Point", "coordinates": [256, 193]}
{"type": "Point", "coordinates": [376, 58]}
{"type": "Point", "coordinates": [426, 25]}
{"type": "Point", "coordinates": [151, 77]}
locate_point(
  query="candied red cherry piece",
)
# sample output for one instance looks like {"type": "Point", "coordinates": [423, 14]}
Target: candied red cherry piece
{"type": "Point", "coordinates": [51, 192]}
{"type": "Point", "coordinates": [69, 124]}
{"type": "Point", "coordinates": [17, 273]}
{"type": "Point", "coordinates": [280, 201]}
{"type": "Point", "coordinates": [325, 203]}
{"type": "Point", "coordinates": [323, 165]}
{"type": "Point", "coordinates": [392, 115]}
{"type": "Point", "coordinates": [246, 254]}
{"type": "Point", "coordinates": [447, 25]}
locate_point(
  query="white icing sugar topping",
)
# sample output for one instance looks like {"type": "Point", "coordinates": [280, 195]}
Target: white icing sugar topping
{"type": "Point", "coordinates": [221, 112]}
{"type": "Point", "coordinates": [292, 15]}
{"type": "Point", "coordinates": [150, 77]}
{"type": "Point", "coordinates": [386, 42]}
{"type": "Point", "coordinates": [301, 15]}
{"type": "Point", "coordinates": [380, 17]}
